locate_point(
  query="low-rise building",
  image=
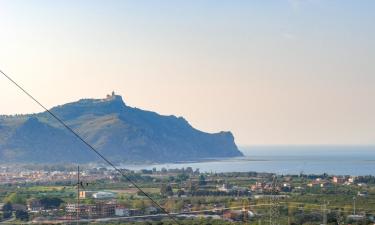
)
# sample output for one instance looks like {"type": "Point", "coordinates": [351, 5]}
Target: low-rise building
{"type": "Point", "coordinates": [103, 195]}
{"type": "Point", "coordinates": [34, 205]}
{"type": "Point", "coordinates": [122, 211]}
{"type": "Point", "coordinates": [224, 188]}
{"type": "Point", "coordinates": [356, 217]}
{"type": "Point", "coordinates": [338, 180]}
{"type": "Point", "coordinates": [362, 193]}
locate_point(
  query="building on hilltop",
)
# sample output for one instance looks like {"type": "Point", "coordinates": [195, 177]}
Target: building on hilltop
{"type": "Point", "coordinates": [111, 96]}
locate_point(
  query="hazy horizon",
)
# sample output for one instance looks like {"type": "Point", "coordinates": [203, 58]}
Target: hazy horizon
{"type": "Point", "coordinates": [293, 72]}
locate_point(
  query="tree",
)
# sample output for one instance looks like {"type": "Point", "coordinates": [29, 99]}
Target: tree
{"type": "Point", "coordinates": [182, 177]}
{"type": "Point", "coordinates": [22, 215]}
{"type": "Point", "coordinates": [7, 207]}
{"type": "Point", "coordinates": [7, 214]}
{"type": "Point", "coordinates": [15, 198]}
{"type": "Point", "coordinates": [202, 180]}
{"type": "Point", "coordinates": [139, 204]}
{"type": "Point", "coordinates": [166, 190]}
{"type": "Point", "coordinates": [189, 170]}
{"type": "Point", "coordinates": [169, 190]}
{"type": "Point", "coordinates": [51, 202]}
{"type": "Point", "coordinates": [191, 186]}
{"type": "Point", "coordinates": [7, 210]}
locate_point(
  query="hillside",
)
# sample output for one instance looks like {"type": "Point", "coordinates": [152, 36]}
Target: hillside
{"type": "Point", "coordinates": [120, 132]}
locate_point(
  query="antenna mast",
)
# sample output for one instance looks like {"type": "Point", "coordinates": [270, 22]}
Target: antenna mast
{"type": "Point", "coordinates": [78, 183]}
{"type": "Point", "coordinates": [274, 203]}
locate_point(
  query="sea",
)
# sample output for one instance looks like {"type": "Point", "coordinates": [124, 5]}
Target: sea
{"type": "Point", "coordinates": [286, 160]}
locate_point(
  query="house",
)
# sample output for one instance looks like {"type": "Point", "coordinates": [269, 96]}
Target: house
{"type": "Point", "coordinates": [122, 211]}
{"type": "Point", "coordinates": [35, 205]}
{"type": "Point", "coordinates": [233, 215]}
{"type": "Point", "coordinates": [362, 193]}
{"type": "Point", "coordinates": [258, 186]}
{"type": "Point", "coordinates": [362, 185]}
{"type": "Point", "coordinates": [338, 180]}
{"type": "Point", "coordinates": [318, 183]}
{"type": "Point", "coordinates": [356, 217]}
{"type": "Point", "coordinates": [86, 194]}
{"type": "Point", "coordinates": [351, 180]}
{"type": "Point", "coordinates": [224, 188]}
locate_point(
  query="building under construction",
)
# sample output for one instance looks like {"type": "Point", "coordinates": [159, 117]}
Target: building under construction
{"type": "Point", "coordinates": [98, 210]}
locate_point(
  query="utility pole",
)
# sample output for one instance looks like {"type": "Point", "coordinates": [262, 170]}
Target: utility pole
{"type": "Point", "coordinates": [78, 183]}
{"type": "Point", "coordinates": [354, 198]}
{"type": "Point", "coordinates": [245, 211]}
{"type": "Point", "coordinates": [338, 216]}
{"type": "Point", "coordinates": [244, 214]}
{"type": "Point", "coordinates": [324, 211]}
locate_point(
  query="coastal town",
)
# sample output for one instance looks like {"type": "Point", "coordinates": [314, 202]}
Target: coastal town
{"type": "Point", "coordinates": [55, 194]}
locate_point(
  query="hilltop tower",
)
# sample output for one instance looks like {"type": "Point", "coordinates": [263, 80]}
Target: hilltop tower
{"type": "Point", "coordinates": [111, 96]}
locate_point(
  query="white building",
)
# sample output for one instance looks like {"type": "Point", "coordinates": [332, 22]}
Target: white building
{"type": "Point", "coordinates": [120, 211]}
{"type": "Point", "coordinates": [103, 195]}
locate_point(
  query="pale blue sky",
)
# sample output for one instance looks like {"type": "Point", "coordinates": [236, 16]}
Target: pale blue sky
{"type": "Point", "coordinates": [272, 72]}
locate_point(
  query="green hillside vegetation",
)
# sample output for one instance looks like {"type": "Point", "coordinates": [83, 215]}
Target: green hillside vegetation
{"type": "Point", "coordinates": [120, 132]}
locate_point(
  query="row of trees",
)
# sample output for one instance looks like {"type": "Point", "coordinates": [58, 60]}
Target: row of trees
{"type": "Point", "coordinates": [8, 210]}
{"type": "Point", "coordinates": [46, 202]}
{"type": "Point", "coordinates": [19, 214]}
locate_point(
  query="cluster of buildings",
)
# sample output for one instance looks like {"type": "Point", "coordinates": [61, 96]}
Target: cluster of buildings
{"type": "Point", "coordinates": [260, 187]}
{"type": "Point", "coordinates": [103, 210]}
{"type": "Point", "coordinates": [227, 188]}
{"type": "Point", "coordinates": [105, 206]}
{"type": "Point", "coordinates": [341, 180]}
{"type": "Point", "coordinates": [35, 176]}
{"type": "Point", "coordinates": [22, 176]}
{"type": "Point", "coordinates": [267, 187]}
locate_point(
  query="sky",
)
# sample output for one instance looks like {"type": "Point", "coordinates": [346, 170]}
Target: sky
{"type": "Point", "coordinates": [277, 72]}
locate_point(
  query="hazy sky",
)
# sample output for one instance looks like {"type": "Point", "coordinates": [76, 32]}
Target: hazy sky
{"type": "Point", "coordinates": [272, 72]}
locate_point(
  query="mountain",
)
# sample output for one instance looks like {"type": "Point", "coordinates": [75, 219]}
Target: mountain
{"type": "Point", "coordinates": [120, 132]}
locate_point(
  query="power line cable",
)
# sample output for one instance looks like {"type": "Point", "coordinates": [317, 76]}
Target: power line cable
{"type": "Point", "coordinates": [91, 147]}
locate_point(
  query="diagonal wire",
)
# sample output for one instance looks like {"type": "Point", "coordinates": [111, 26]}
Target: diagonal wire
{"type": "Point", "coordinates": [92, 148]}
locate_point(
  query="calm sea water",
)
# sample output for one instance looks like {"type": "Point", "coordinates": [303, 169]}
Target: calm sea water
{"type": "Point", "coordinates": [337, 160]}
